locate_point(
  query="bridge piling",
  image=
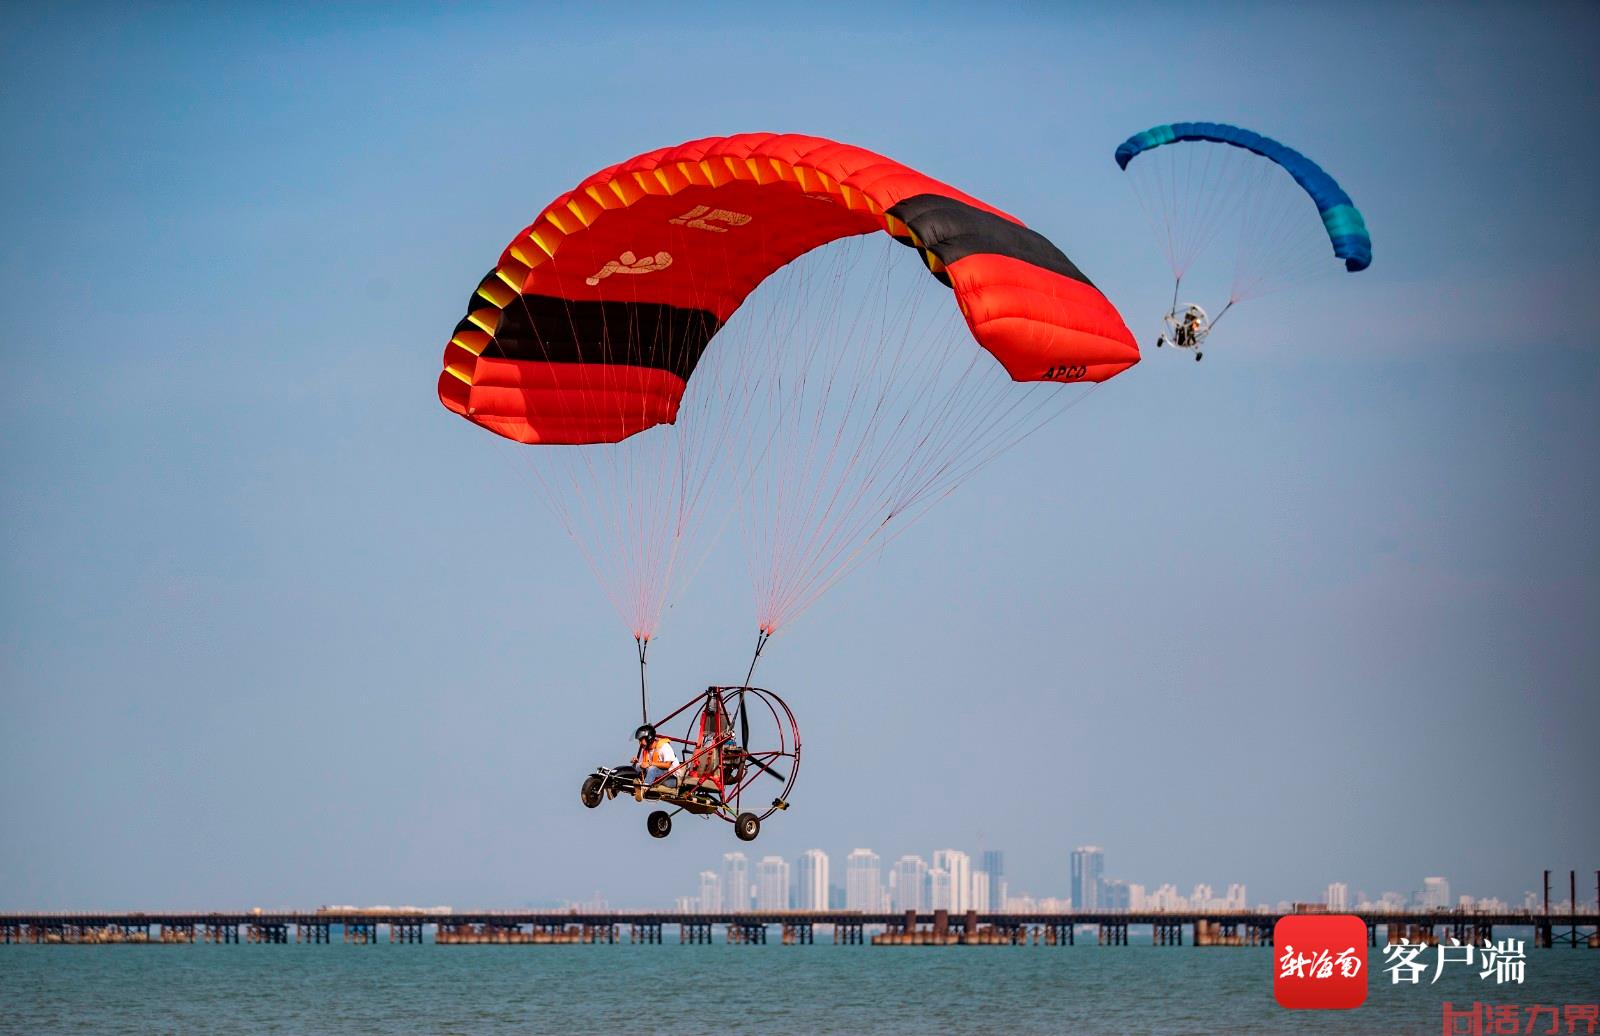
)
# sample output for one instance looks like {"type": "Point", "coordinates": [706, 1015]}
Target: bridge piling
{"type": "Point", "coordinates": [360, 932]}
{"type": "Point", "coordinates": [222, 933]}
{"type": "Point", "coordinates": [405, 932]}
{"type": "Point", "coordinates": [797, 933]}
{"type": "Point", "coordinates": [268, 932]}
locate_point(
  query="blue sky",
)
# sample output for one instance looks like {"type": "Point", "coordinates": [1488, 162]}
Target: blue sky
{"type": "Point", "coordinates": [277, 629]}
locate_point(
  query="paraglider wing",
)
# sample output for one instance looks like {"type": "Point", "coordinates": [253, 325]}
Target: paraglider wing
{"type": "Point", "coordinates": [594, 319]}
{"type": "Point", "coordinates": [1347, 231]}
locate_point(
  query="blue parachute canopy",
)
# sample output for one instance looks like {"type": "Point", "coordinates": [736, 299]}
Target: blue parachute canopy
{"type": "Point", "coordinates": [1346, 229]}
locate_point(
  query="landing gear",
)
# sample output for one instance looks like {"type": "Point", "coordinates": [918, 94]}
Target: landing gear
{"type": "Point", "coordinates": [1197, 356]}
{"type": "Point", "coordinates": [659, 824]}
{"type": "Point", "coordinates": [747, 826]}
{"type": "Point", "coordinates": [592, 790]}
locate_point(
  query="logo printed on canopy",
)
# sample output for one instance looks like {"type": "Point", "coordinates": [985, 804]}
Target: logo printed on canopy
{"type": "Point", "coordinates": [628, 263]}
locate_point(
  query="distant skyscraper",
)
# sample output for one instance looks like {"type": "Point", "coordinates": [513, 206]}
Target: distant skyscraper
{"type": "Point", "coordinates": [863, 881]}
{"type": "Point", "coordinates": [994, 865]}
{"type": "Point", "coordinates": [1114, 895]}
{"type": "Point", "coordinates": [772, 883]}
{"type": "Point", "coordinates": [910, 881]}
{"type": "Point", "coordinates": [1236, 898]}
{"type": "Point", "coordinates": [735, 882]}
{"type": "Point", "coordinates": [1165, 898]}
{"type": "Point", "coordinates": [959, 866]}
{"type": "Point", "coordinates": [1435, 893]}
{"type": "Point", "coordinates": [710, 893]}
{"type": "Point", "coordinates": [813, 883]}
{"type": "Point", "coordinates": [1338, 897]}
{"type": "Point", "coordinates": [978, 895]}
{"type": "Point", "coordinates": [1088, 863]}
{"type": "Point", "coordinates": [940, 889]}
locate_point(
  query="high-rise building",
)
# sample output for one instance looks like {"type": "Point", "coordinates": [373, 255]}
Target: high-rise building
{"type": "Point", "coordinates": [940, 889]}
{"type": "Point", "coordinates": [1088, 864]}
{"type": "Point", "coordinates": [710, 892]}
{"type": "Point", "coordinates": [1435, 893]}
{"type": "Point", "coordinates": [1165, 898]}
{"type": "Point", "coordinates": [735, 882]}
{"type": "Point", "coordinates": [1114, 895]}
{"type": "Point", "coordinates": [812, 888]}
{"type": "Point", "coordinates": [1236, 898]}
{"type": "Point", "coordinates": [994, 865]}
{"type": "Point", "coordinates": [978, 895]}
{"type": "Point", "coordinates": [1338, 897]}
{"type": "Point", "coordinates": [959, 866]}
{"type": "Point", "coordinates": [910, 883]}
{"type": "Point", "coordinates": [772, 883]}
{"type": "Point", "coordinates": [863, 881]}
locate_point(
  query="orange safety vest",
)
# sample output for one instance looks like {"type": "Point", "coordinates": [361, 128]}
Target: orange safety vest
{"type": "Point", "coordinates": [653, 756]}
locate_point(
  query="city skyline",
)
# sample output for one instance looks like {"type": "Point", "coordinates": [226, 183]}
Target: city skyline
{"type": "Point", "coordinates": [912, 882]}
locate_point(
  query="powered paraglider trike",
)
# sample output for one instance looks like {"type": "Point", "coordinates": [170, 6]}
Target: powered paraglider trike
{"type": "Point", "coordinates": [740, 744]}
{"type": "Point", "coordinates": [725, 326]}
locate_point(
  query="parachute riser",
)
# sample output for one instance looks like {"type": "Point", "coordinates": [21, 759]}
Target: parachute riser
{"type": "Point", "coordinates": [643, 644]}
{"type": "Point", "coordinates": [762, 636]}
{"type": "Point", "coordinates": [761, 642]}
{"type": "Point", "coordinates": [1220, 315]}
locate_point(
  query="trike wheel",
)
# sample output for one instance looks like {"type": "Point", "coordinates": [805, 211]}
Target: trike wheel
{"type": "Point", "coordinates": [746, 827]}
{"type": "Point", "coordinates": [591, 793]}
{"type": "Point", "coordinates": [659, 824]}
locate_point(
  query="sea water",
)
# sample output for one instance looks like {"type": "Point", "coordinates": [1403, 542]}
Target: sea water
{"type": "Point", "coordinates": [686, 990]}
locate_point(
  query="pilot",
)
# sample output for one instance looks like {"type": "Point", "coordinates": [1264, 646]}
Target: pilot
{"type": "Point", "coordinates": [1192, 327]}
{"type": "Point", "coordinates": [656, 758]}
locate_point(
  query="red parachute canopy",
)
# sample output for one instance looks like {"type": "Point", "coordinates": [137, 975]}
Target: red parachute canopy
{"type": "Point", "coordinates": [591, 324]}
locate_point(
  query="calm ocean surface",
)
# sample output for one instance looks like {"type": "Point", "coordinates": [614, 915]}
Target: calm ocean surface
{"type": "Point", "coordinates": [687, 990]}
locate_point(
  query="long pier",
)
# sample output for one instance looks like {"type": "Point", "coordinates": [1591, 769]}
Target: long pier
{"type": "Point", "coordinates": [910, 928]}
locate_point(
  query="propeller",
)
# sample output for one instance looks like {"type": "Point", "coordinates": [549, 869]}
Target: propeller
{"type": "Point", "coordinates": [764, 766]}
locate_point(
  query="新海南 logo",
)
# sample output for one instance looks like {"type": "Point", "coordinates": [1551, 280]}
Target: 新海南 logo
{"type": "Point", "coordinates": [1320, 962]}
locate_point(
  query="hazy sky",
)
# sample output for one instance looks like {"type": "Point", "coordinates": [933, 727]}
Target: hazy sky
{"type": "Point", "coordinates": [275, 628]}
